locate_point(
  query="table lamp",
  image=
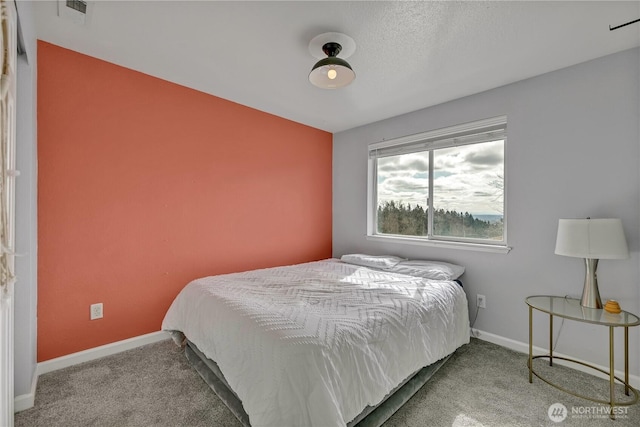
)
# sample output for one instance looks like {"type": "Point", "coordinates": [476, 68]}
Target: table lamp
{"type": "Point", "coordinates": [591, 239]}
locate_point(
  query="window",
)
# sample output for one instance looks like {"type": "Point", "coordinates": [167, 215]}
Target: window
{"type": "Point", "coordinates": [443, 186]}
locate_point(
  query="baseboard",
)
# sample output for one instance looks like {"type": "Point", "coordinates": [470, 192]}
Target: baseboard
{"type": "Point", "coordinates": [521, 347]}
{"type": "Point", "coordinates": [26, 401]}
{"type": "Point", "coordinates": [98, 352]}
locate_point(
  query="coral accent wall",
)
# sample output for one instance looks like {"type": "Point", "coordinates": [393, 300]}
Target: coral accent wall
{"type": "Point", "coordinates": [144, 185]}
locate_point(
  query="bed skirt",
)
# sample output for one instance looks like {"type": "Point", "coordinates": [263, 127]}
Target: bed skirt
{"type": "Point", "coordinates": [371, 416]}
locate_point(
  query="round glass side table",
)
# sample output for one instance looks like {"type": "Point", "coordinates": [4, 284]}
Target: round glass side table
{"type": "Point", "coordinates": [571, 309]}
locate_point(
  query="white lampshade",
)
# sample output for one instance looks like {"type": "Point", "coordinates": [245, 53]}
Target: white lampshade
{"type": "Point", "coordinates": [592, 239]}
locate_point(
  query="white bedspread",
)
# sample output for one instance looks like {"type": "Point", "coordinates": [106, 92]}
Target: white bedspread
{"type": "Point", "coordinates": [314, 343]}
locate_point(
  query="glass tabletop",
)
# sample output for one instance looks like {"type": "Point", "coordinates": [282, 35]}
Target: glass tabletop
{"type": "Point", "coordinates": [570, 308]}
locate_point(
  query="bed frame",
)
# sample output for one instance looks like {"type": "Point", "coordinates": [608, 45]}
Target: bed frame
{"type": "Point", "coordinates": [371, 416]}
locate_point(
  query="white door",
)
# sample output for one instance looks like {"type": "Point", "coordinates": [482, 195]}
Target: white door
{"type": "Point", "coordinates": [7, 203]}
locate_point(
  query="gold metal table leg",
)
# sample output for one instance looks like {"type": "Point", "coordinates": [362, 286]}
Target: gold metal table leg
{"type": "Point", "coordinates": [626, 360]}
{"type": "Point", "coordinates": [551, 340]}
{"type": "Point", "coordinates": [611, 375]}
{"type": "Point", "coordinates": [530, 344]}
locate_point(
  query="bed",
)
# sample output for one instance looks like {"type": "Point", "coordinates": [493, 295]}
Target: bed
{"type": "Point", "coordinates": [326, 343]}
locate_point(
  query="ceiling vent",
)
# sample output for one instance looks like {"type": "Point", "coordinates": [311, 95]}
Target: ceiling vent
{"type": "Point", "coordinates": [77, 11]}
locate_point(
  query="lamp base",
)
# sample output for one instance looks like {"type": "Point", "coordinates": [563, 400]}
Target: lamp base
{"type": "Point", "coordinates": [590, 294]}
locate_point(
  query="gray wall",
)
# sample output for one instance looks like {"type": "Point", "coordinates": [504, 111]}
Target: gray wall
{"type": "Point", "coordinates": [573, 151]}
{"type": "Point", "coordinates": [26, 214]}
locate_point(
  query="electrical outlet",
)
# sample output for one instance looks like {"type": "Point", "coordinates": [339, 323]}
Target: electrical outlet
{"type": "Point", "coordinates": [481, 301]}
{"type": "Point", "coordinates": [96, 311]}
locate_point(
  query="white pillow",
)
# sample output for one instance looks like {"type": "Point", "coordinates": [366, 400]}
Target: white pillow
{"type": "Point", "coordinates": [382, 262]}
{"type": "Point", "coordinates": [434, 270]}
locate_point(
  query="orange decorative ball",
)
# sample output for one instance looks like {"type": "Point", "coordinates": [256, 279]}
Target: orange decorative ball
{"type": "Point", "coordinates": [612, 306]}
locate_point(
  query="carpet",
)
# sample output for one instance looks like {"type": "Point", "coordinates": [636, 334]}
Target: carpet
{"type": "Point", "coordinates": [482, 385]}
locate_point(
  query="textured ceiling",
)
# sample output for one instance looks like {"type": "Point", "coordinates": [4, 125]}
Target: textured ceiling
{"type": "Point", "coordinates": [409, 55]}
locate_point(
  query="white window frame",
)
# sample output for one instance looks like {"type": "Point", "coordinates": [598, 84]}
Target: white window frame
{"type": "Point", "coordinates": [463, 134]}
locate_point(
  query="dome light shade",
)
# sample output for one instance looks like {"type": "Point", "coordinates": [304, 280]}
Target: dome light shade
{"type": "Point", "coordinates": [331, 72]}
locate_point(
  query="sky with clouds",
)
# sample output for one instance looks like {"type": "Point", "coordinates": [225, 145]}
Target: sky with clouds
{"type": "Point", "coordinates": [466, 178]}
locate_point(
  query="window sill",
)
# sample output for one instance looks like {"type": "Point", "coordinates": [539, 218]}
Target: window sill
{"type": "Point", "coordinates": [441, 244]}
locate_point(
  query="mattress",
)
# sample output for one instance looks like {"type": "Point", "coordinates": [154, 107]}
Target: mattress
{"type": "Point", "coordinates": [371, 416]}
{"type": "Point", "coordinates": [316, 343]}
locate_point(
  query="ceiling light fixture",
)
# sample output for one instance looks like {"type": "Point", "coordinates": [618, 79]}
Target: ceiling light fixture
{"type": "Point", "coordinates": [332, 72]}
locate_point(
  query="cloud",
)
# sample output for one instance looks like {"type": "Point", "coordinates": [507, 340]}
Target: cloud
{"type": "Point", "coordinates": [466, 179]}
{"type": "Point", "coordinates": [484, 160]}
{"type": "Point", "coordinates": [411, 163]}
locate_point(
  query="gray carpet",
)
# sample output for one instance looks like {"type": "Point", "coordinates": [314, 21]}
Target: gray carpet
{"type": "Point", "coordinates": [481, 385]}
